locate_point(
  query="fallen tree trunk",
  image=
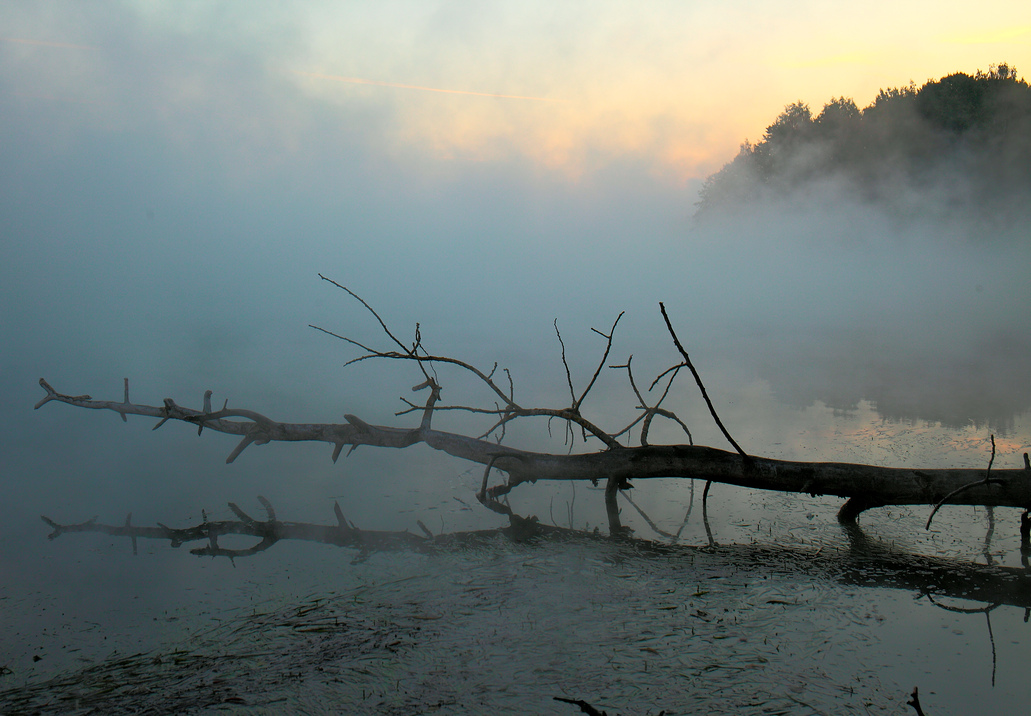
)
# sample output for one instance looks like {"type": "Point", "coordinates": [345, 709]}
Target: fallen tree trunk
{"type": "Point", "coordinates": [866, 486]}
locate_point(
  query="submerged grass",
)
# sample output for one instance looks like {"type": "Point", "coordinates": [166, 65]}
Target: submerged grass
{"type": "Point", "coordinates": [631, 627]}
{"type": "Point", "coordinates": [499, 629]}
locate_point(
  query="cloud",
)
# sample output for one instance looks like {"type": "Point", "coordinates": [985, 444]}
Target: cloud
{"type": "Point", "coordinates": [378, 83]}
{"type": "Point", "coordinates": [1000, 35]}
{"type": "Point", "coordinates": [44, 43]}
{"type": "Point", "coordinates": [577, 86]}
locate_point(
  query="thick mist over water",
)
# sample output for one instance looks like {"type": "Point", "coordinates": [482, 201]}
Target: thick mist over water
{"type": "Point", "coordinates": [829, 306]}
{"type": "Point", "coordinates": [136, 271]}
{"type": "Point", "coordinates": [824, 338]}
{"type": "Point", "coordinates": [922, 319]}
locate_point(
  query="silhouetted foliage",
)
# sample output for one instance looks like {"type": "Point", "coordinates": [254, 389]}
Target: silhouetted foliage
{"type": "Point", "coordinates": [958, 144]}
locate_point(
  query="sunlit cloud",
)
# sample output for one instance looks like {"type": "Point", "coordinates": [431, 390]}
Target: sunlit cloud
{"type": "Point", "coordinates": [845, 58]}
{"type": "Point", "coordinates": [378, 83]}
{"type": "Point", "coordinates": [677, 87]}
{"type": "Point", "coordinates": [990, 37]}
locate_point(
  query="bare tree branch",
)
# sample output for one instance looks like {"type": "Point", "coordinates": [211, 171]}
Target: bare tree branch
{"type": "Point", "coordinates": [701, 386]}
{"type": "Point", "coordinates": [873, 485]}
{"type": "Point", "coordinates": [867, 486]}
{"type": "Point", "coordinates": [511, 409]}
{"type": "Point", "coordinates": [986, 481]}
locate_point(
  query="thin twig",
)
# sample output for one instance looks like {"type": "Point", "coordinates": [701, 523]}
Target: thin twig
{"type": "Point", "coordinates": [701, 386]}
{"type": "Point", "coordinates": [986, 481]}
{"type": "Point", "coordinates": [650, 411]}
{"type": "Point", "coordinates": [601, 364]}
{"type": "Point", "coordinates": [565, 363]}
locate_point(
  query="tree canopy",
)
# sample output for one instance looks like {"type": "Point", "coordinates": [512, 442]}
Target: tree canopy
{"type": "Point", "coordinates": [965, 139]}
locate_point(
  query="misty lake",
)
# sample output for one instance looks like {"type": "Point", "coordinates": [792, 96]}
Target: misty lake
{"type": "Point", "coordinates": [853, 348]}
{"type": "Point", "coordinates": [174, 177]}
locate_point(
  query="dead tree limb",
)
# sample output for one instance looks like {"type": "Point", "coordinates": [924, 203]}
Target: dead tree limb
{"type": "Point", "coordinates": [701, 386]}
{"type": "Point", "coordinates": [986, 481]}
{"type": "Point", "coordinates": [864, 486]}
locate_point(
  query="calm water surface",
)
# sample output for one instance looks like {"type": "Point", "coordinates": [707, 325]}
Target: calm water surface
{"type": "Point", "coordinates": [781, 611]}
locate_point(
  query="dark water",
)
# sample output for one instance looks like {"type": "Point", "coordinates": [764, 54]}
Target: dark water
{"type": "Point", "coordinates": [784, 613]}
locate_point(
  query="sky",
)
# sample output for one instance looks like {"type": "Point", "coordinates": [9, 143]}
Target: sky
{"type": "Point", "coordinates": [175, 175]}
{"type": "Point", "coordinates": [567, 90]}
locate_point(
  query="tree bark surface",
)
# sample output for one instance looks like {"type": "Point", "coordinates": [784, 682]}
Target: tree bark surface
{"type": "Point", "coordinates": [867, 485]}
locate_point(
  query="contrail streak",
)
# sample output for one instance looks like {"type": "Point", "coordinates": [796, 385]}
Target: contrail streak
{"type": "Point", "coordinates": [355, 80]}
{"type": "Point", "coordinates": [23, 41]}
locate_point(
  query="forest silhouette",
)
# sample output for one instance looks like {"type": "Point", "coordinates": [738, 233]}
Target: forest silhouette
{"type": "Point", "coordinates": [960, 145]}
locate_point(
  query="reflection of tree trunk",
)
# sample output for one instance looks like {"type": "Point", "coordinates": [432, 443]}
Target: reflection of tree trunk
{"type": "Point", "coordinates": [865, 563]}
{"type": "Point", "coordinates": [869, 563]}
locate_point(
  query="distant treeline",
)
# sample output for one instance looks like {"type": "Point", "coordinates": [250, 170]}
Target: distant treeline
{"type": "Point", "coordinates": [961, 143]}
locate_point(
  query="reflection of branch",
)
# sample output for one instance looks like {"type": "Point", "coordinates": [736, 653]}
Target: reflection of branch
{"type": "Point", "coordinates": [864, 564]}
{"type": "Point", "coordinates": [987, 551]}
{"type": "Point", "coordinates": [1025, 540]}
{"type": "Point", "coordinates": [705, 513]}
{"type": "Point", "coordinates": [343, 534]}
{"type": "Point", "coordinates": [655, 528]}
{"type": "Point", "coordinates": [687, 515]}
{"type": "Point", "coordinates": [981, 610]}
{"type": "Point", "coordinates": [991, 638]}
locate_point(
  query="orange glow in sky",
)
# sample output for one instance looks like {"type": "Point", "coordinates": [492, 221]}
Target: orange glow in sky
{"type": "Point", "coordinates": [678, 86]}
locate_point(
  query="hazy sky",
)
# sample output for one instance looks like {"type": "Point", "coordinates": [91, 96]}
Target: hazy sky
{"type": "Point", "coordinates": [173, 175]}
{"type": "Point", "coordinates": [272, 87]}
